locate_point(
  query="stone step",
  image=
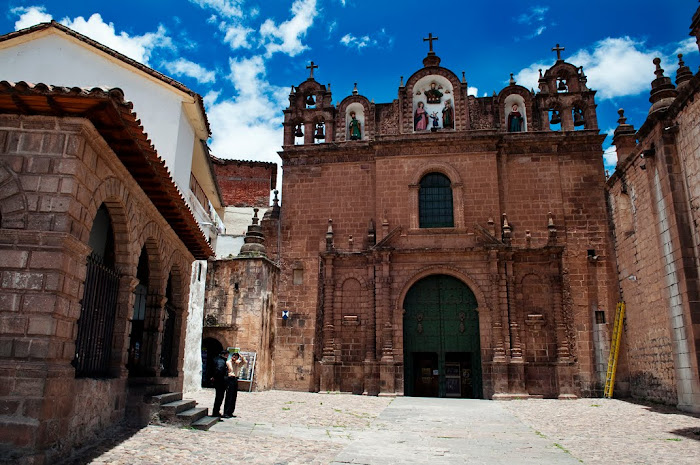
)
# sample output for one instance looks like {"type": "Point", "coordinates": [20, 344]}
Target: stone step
{"type": "Point", "coordinates": [205, 423]}
{"type": "Point", "coordinates": [190, 416]}
{"type": "Point", "coordinates": [173, 408]}
{"type": "Point", "coordinates": [166, 398]}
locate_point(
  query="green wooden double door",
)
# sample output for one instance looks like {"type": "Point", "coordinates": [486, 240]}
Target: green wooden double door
{"type": "Point", "coordinates": [441, 339]}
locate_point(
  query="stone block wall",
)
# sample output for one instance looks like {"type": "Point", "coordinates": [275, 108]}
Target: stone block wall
{"type": "Point", "coordinates": [54, 175]}
{"type": "Point", "coordinates": [245, 184]}
{"type": "Point", "coordinates": [239, 308]}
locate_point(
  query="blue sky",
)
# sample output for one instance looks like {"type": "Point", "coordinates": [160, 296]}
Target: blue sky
{"type": "Point", "coordinates": [243, 56]}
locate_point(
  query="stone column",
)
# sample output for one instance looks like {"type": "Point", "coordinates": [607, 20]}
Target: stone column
{"type": "Point", "coordinates": [387, 377]}
{"type": "Point", "coordinates": [328, 359]}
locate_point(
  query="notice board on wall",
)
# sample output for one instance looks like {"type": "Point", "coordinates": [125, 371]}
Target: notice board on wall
{"type": "Point", "coordinates": [247, 370]}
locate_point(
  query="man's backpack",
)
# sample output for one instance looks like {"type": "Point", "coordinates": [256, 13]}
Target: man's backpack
{"type": "Point", "coordinates": [220, 370]}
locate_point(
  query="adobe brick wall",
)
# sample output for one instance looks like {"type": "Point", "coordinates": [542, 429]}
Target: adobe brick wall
{"type": "Point", "coordinates": [54, 175]}
{"type": "Point", "coordinates": [245, 184]}
{"type": "Point", "coordinates": [239, 308]}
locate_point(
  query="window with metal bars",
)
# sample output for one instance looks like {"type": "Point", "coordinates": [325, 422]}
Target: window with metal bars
{"type": "Point", "coordinates": [435, 202]}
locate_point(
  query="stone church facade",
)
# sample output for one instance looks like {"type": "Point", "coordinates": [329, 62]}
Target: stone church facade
{"type": "Point", "coordinates": [443, 244]}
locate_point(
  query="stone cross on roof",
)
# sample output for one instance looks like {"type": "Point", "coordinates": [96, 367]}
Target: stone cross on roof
{"type": "Point", "coordinates": [430, 39]}
{"type": "Point", "coordinates": [558, 49]}
{"type": "Point", "coordinates": [311, 67]}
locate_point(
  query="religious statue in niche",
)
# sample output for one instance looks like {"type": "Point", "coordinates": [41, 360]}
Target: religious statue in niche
{"type": "Point", "coordinates": [436, 120]}
{"type": "Point", "coordinates": [448, 118]}
{"type": "Point", "coordinates": [515, 120]}
{"type": "Point", "coordinates": [420, 119]}
{"type": "Point", "coordinates": [354, 127]}
{"type": "Point", "coordinates": [433, 95]}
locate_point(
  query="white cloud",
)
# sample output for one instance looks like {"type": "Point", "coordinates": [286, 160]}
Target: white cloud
{"type": "Point", "coordinates": [473, 91]}
{"type": "Point", "coordinates": [139, 48]}
{"type": "Point", "coordinates": [211, 97]}
{"type": "Point", "coordinates": [534, 15]}
{"type": "Point", "coordinates": [686, 46]}
{"type": "Point", "coordinates": [29, 16]}
{"type": "Point", "coordinates": [286, 37]}
{"type": "Point", "coordinates": [617, 67]}
{"type": "Point", "coordinates": [248, 126]}
{"type": "Point", "coordinates": [610, 157]}
{"type": "Point", "coordinates": [530, 76]}
{"type": "Point", "coordinates": [235, 35]}
{"type": "Point", "coordinates": [183, 67]}
{"type": "Point", "coordinates": [226, 8]}
{"type": "Point", "coordinates": [350, 41]}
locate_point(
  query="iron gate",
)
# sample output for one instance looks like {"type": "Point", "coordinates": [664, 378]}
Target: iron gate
{"type": "Point", "coordinates": [93, 346]}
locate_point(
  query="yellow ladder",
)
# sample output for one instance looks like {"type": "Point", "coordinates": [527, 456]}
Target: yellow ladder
{"type": "Point", "coordinates": [614, 350]}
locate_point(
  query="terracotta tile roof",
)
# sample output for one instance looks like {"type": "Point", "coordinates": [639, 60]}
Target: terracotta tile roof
{"type": "Point", "coordinates": [152, 72]}
{"type": "Point", "coordinates": [114, 119]}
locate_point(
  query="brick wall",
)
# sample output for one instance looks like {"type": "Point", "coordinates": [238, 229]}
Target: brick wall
{"type": "Point", "coordinates": [245, 184]}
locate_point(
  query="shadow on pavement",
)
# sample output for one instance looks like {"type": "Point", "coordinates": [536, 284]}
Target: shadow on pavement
{"type": "Point", "coordinates": [105, 442]}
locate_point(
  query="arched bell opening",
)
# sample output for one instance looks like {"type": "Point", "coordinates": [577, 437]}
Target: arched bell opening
{"type": "Point", "coordinates": [320, 132]}
{"type": "Point", "coordinates": [578, 116]}
{"type": "Point", "coordinates": [442, 350]}
{"type": "Point", "coordinates": [554, 117]}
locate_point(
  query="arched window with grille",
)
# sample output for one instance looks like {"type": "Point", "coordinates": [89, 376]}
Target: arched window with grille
{"type": "Point", "coordinates": [435, 201]}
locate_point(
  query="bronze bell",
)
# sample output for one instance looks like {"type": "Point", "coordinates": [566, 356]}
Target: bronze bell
{"type": "Point", "coordinates": [319, 131]}
{"type": "Point", "coordinates": [310, 100]}
{"type": "Point", "coordinates": [562, 86]}
{"type": "Point", "coordinates": [578, 117]}
{"type": "Point", "coordinates": [556, 119]}
{"type": "Point", "coordinates": [297, 131]}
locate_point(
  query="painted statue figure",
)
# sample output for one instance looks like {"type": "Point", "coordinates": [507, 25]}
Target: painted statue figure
{"type": "Point", "coordinates": [354, 127]}
{"type": "Point", "coordinates": [435, 119]}
{"type": "Point", "coordinates": [515, 120]}
{"type": "Point", "coordinates": [420, 119]}
{"type": "Point", "coordinates": [433, 95]}
{"type": "Point", "coordinates": [448, 120]}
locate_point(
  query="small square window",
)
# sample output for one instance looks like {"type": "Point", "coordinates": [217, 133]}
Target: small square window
{"type": "Point", "coordinates": [600, 317]}
{"type": "Point", "coordinates": [298, 276]}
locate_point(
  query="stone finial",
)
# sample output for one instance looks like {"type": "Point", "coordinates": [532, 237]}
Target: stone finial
{"type": "Point", "coordinates": [683, 75]}
{"type": "Point", "coordinates": [492, 226]}
{"type": "Point", "coordinates": [401, 83]}
{"type": "Point", "coordinates": [329, 236]}
{"type": "Point", "coordinates": [329, 87]}
{"type": "Point", "coordinates": [528, 239]}
{"type": "Point", "coordinates": [663, 92]}
{"type": "Point", "coordinates": [275, 205]}
{"type": "Point", "coordinates": [354, 90]}
{"type": "Point", "coordinates": [464, 77]}
{"type": "Point", "coordinates": [512, 80]}
{"type": "Point", "coordinates": [254, 240]}
{"type": "Point", "coordinates": [371, 233]}
{"type": "Point", "coordinates": [351, 242]}
{"type": "Point", "coordinates": [552, 229]}
{"type": "Point", "coordinates": [622, 126]}
{"type": "Point", "coordinates": [507, 230]}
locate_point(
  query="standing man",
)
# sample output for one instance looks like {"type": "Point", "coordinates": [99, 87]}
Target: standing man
{"type": "Point", "coordinates": [233, 365]}
{"type": "Point", "coordinates": [219, 380]}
